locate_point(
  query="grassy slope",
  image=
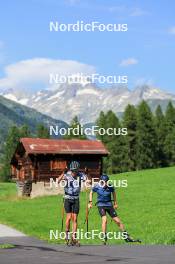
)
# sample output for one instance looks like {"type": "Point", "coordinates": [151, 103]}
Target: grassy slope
{"type": "Point", "coordinates": [146, 207]}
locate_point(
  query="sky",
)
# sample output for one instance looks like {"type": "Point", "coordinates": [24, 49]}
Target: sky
{"type": "Point", "coordinates": [29, 51]}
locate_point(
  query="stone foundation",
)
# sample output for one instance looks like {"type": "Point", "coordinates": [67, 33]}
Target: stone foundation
{"type": "Point", "coordinates": [33, 190]}
{"type": "Point", "coordinates": [24, 188]}
{"type": "Point", "coordinates": [42, 189]}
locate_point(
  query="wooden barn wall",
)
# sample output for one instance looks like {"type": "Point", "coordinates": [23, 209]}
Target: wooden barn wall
{"type": "Point", "coordinates": [43, 167]}
{"type": "Point", "coordinates": [49, 166]}
{"type": "Point", "coordinates": [23, 169]}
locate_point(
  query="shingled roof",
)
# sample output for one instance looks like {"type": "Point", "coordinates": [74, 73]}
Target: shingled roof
{"type": "Point", "coordinates": [60, 146]}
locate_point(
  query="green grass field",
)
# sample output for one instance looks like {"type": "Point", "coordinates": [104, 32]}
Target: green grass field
{"type": "Point", "coordinates": [146, 207]}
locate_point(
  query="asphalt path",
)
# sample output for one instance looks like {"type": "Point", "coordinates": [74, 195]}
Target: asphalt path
{"type": "Point", "coordinates": [29, 250]}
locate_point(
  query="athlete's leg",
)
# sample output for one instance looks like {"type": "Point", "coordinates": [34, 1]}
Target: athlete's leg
{"type": "Point", "coordinates": [111, 211]}
{"type": "Point", "coordinates": [67, 207]}
{"type": "Point", "coordinates": [117, 220]}
{"type": "Point", "coordinates": [74, 225]}
{"type": "Point", "coordinates": [102, 212]}
{"type": "Point", "coordinates": [75, 212]}
{"type": "Point", "coordinates": [104, 224]}
{"type": "Point", "coordinates": [68, 219]}
{"type": "Point", "coordinates": [122, 228]}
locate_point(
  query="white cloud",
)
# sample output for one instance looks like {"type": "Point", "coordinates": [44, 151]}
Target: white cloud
{"type": "Point", "coordinates": [171, 30]}
{"type": "Point", "coordinates": [135, 12]}
{"type": "Point", "coordinates": [128, 62]}
{"type": "Point", "coordinates": [34, 73]}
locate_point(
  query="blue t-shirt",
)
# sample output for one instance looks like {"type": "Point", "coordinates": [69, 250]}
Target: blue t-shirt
{"type": "Point", "coordinates": [103, 194]}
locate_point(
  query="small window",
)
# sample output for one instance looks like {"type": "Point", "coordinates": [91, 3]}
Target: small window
{"type": "Point", "coordinates": [58, 164]}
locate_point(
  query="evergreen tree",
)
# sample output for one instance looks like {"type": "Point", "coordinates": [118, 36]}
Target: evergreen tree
{"type": "Point", "coordinates": [75, 130]}
{"type": "Point", "coordinates": [146, 138]}
{"type": "Point", "coordinates": [170, 130]}
{"type": "Point", "coordinates": [42, 131]}
{"type": "Point", "coordinates": [170, 117]}
{"type": "Point", "coordinates": [101, 123]}
{"type": "Point", "coordinates": [114, 143]}
{"type": "Point", "coordinates": [24, 131]}
{"type": "Point", "coordinates": [130, 147]}
{"type": "Point", "coordinates": [9, 148]}
{"type": "Point", "coordinates": [170, 147]}
{"type": "Point", "coordinates": [160, 136]}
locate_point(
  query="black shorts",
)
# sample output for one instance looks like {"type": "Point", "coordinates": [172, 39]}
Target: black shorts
{"type": "Point", "coordinates": [109, 209]}
{"type": "Point", "coordinates": [72, 206]}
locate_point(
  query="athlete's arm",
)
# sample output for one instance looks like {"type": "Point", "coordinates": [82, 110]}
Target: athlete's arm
{"type": "Point", "coordinates": [115, 200]}
{"type": "Point", "coordinates": [85, 179]}
{"type": "Point", "coordinates": [61, 177]}
{"type": "Point", "coordinates": [83, 176]}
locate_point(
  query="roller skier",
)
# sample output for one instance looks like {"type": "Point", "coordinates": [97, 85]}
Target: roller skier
{"type": "Point", "coordinates": [106, 204]}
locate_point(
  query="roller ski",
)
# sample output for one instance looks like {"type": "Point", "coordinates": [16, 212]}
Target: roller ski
{"type": "Point", "coordinates": [67, 242]}
{"type": "Point", "coordinates": [129, 239]}
{"type": "Point", "coordinates": [104, 243]}
{"type": "Point", "coordinates": [75, 242]}
{"type": "Point", "coordinates": [67, 239]}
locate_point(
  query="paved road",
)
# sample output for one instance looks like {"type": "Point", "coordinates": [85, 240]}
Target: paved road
{"type": "Point", "coordinates": [6, 231]}
{"type": "Point", "coordinates": [30, 250]}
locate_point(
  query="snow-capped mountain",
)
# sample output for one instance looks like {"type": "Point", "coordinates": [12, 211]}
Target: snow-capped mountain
{"type": "Point", "coordinates": [87, 101]}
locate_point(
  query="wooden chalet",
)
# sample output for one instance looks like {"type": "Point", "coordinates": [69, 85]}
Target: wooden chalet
{"type": "Point", "coordinates": [38, 160]}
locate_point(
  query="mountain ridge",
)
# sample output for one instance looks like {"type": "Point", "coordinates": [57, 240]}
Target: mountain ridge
{"type": "Point", "coordinates": [87, 101]}
{"type": "Point", "coordinates": [12, 113]}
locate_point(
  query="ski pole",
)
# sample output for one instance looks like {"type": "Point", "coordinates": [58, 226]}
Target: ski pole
{"type": "Point", "coordinates": [87, 212]}
{"type": "Point", "coordinates": [62, 215]}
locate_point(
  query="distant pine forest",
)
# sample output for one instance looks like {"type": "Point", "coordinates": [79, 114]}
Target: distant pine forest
{"type": "Point", "coordinates": [149, 143]}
